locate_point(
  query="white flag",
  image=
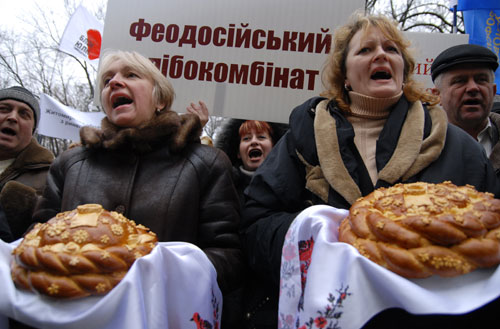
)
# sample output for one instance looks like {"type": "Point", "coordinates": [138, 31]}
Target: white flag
{"type": "Point", "coordinates": [61, 121]}
{"type": "Point", "coordinates": [82, 36]}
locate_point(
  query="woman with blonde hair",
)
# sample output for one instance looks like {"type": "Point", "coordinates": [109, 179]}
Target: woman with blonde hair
{"type": "Point", "coordinates": [373, 128]}
{"type": "Point", "coordinates": [147, 162]}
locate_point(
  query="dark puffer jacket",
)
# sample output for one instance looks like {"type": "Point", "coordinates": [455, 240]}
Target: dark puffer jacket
{"type": "Point", "coordinates": [160, 176]}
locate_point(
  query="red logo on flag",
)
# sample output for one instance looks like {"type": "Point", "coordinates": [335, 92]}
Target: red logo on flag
{"type": "Point", "coordinates": [94, 43]}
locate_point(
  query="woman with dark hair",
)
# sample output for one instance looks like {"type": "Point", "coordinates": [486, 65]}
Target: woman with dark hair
{"type": "Point", "coordinates": [248, 143]}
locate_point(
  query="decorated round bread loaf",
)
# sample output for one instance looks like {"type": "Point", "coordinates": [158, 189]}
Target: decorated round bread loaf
{"type": "Point", "coordinates": [421, 229]}
{"type": "Point", "coordinates": [86, 251]}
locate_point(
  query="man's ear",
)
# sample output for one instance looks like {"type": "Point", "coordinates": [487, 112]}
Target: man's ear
{"type": "Point", "coordinates": [494, 88]}
{"type": "Point", "coordinates": [435, 91]}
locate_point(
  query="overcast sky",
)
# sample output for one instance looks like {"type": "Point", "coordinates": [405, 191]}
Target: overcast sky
{"type": "Point", "coordinates": [12, 11]}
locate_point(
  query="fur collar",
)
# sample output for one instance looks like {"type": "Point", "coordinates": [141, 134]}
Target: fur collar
{"type": "Point", "coordinates": [33, 155]}
{"type": "Point", "coordinates": [412, 153]}
{"type": "Point", "coordinates": [168, 128]}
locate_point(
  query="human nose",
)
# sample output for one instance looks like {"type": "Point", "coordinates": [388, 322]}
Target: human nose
{"type": "Point", "coordinates": [380, 53]}
{"type": "Point", "coordinates": [116, 81]}
{"type": "Point", "coordinates": [471, 86]}
{"type": "Point", "coordinates": [254, 140]}
{"type": "Point", "coordinates": [12, 116]}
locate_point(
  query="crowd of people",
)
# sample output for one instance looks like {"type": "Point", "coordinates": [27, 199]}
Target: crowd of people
{"type": "Point", "coordinates": [373, 126]}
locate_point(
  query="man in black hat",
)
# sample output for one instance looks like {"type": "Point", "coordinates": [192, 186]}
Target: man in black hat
{"type": "Point", "coordinates": [24, 163]}
{"type": "Point", "coordinates": [464, 77]}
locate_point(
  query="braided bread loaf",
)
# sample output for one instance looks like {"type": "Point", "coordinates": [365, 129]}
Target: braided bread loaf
{"type": "Point", "coordinates": [420, 229]}
{"type": "Point", "coordinates": [86, 251]}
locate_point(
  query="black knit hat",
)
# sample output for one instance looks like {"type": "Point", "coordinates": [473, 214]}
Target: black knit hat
{"type": "Point", "coordinates": [463, 54]}
{"type": "Point", "coordinates": [23, 95]}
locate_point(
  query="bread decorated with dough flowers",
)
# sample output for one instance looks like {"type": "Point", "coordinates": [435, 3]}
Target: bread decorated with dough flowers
{"type": "Point", "coordinates": [420, 229]}
{"type": "Point", "coordinates": [86, 251]}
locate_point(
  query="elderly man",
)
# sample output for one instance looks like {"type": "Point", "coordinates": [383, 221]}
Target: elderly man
{"type": "Point", "coordinates": [23, 162]}
{"type": "Point", "coordinates": [464, 77]}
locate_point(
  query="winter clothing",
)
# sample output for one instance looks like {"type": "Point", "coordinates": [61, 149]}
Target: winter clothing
{"type": "Point", "coordinates": [158, 175]}
{"type": "Point", "coordinates": [316, 162]}
{"type": "Point", "coordinates": [495, 152]}
{"type": "Point", "coordinates": [5, 233]}
{"type": "Point", "coordinates": [496, 106]}
{"type": "Point", "coordinates": [23, 95]}
{"type": "Point", "coordinates": [463, 54]}
{"type": "Point", "coordinates": [258, 298]}
{"type": "Point", "coordinates": [21, 183]}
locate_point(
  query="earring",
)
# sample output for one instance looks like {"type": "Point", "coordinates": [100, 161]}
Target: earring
{"type": "Point", "coordinates": [346, 87]}
{"type": "Point", "coordinates": [158, 111]}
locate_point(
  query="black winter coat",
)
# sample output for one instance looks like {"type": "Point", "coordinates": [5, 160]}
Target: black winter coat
{"type": "Point", "coordinates": [258, 298]}
{"type": "Point", "coordinates": [292, 178]}
{"type": "Point", "coordinates": [159, 176]}
{"type": "Point", "coordinates": [495, 152]}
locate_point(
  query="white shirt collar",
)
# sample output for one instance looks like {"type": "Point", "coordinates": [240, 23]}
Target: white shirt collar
{"type": "Point", "coordinates": [485, 138]}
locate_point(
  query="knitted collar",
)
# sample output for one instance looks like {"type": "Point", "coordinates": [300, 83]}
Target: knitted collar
{"type": "Point", "coordinates": [364, 106]}
{"type": "Point", "coordinates": [246, 172]}
{"type": "Point", "coordinates": [412, 153]}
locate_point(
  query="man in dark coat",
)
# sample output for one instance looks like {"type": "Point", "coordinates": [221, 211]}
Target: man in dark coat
{"type": "Point", "coordinates": [464, 77]}
{"type": "Point", "coordinates": [23, 162]}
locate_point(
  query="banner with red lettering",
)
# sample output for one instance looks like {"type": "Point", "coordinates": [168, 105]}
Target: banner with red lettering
{"type": "Point", "coordinates": [245, 59]}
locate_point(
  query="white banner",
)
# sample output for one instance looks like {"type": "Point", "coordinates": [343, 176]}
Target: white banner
{"type": "Point", "coordinates": [425, 47]}
{"type": "Point", "coordinates": [82, 37]}
{"type": "Point", "coordinates": [245, 59]}
{"type": "Point", "coordinates": [60, 121]}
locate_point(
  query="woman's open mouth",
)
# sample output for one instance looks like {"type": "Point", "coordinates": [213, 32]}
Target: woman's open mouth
{"type": "Point", "coordinates": [255, 153]}
{"type": "Point", "coordinates": [121, 100]}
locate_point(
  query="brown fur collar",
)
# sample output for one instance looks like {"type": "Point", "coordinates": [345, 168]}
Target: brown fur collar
{"type": "Point", "coordinates": [33, 155]}
{"type": "Point", "coordinates": [168, 127]}
{"type": "Point", "coordinates": [412, 154]}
